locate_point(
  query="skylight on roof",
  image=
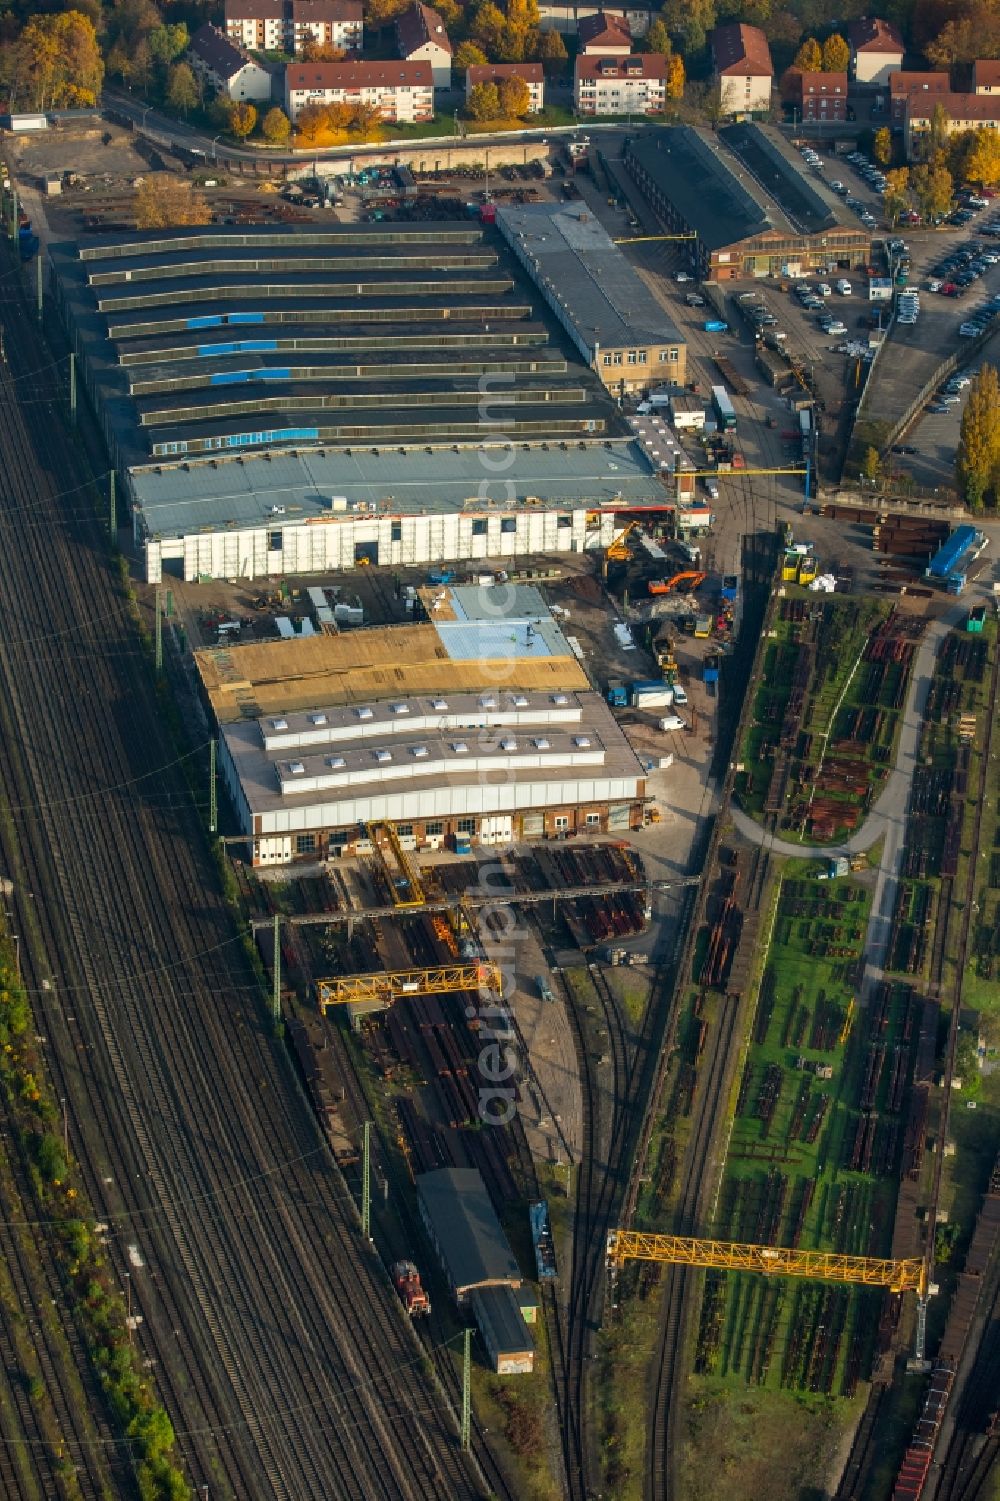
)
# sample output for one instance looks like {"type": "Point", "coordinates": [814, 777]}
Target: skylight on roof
{"type": "Point", "coordinates": [400, 708]}
{"type": "Point", "coordinates": [439, 705]}
{"type": "Point", "coordinates": [279, 724]}
{"type": "Point", "coordinates": [520, 701]}
{"type": "Point", "coordinates": [336, 763]}
{"type": "Point", "coordinates": [559, 698]}
{"type": "Point", "coordinates": [582, 741]}
{"type": "Point", "coordinates": [364, 712]}
{"type": "Point", "coordinates": [508, 743]}
{"type": "Point", "coordinates": [460, 747]}
{"type": "Point", "coordinates": [317, 719]}
{"type": "Point", "coordinates": [296, 768]}
{"type": "Point", "coordinates": [419, 751]}
{"type": "Point", "coordinates": [382, 756]}
{"type": "Point", "coordinates": [541, 742]}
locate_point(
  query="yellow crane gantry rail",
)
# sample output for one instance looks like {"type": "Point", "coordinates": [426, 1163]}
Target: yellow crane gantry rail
{"type": "Point", "coordinates": [731, 1256]}
{"type": "Point", "coordinates": [401, 984]}
{"type": "Point", "coordinates": [404, 884]}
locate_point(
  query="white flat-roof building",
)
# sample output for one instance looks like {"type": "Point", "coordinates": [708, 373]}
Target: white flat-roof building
{"type": "Point", "coordinates": [496, 764]}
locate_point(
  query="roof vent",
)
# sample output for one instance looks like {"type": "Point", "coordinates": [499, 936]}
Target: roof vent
{"type": "Point", "coordinates": [399, 708]}
{"type": "Point", "coordinates": [382, 756]}
{"type": "Point", "coordinates": [460, 747]}
{"type": "Point", "coordinates": [296, 768]}
{"type": "Point", "coordinates": [420, 751]}
{"type": "Point", "coordinates": [364, 712]}
{"type": "Point", "coordinates": [488, 701]}
{"type": "Point", "coordinates": [317, 719]}
{"type": "Point", "coordinates": [439, 705]}
{"type": "Point", "coordinates": [508, 743]}
{"type": "Point", "coordinates": [336, 763]}
{"type": "Point", "coordinates": [559, 698]}
{"type": "Point", "coordinates": [520, 701]}
{"type": "Point", "coordinates": [279, 724]}
{"type": "Point", "coordinates": [541, 743]}
{"type": "Point", "coordinates": [583, 741]}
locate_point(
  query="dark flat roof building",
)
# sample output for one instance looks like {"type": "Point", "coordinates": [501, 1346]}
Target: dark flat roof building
{"type": "Point", "coordinates": [752, 214]}
{"type": "Point", "coordinates": [462, 1224]}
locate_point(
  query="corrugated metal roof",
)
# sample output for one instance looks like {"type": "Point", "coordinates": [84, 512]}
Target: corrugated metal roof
{"type": "Point", "coordinates": [466, 1229]}
{"type": "Point", "coordinates": [499, 1320]}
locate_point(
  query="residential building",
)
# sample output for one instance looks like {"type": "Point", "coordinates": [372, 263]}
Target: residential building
{"type": "Point", "coordinates": [741, 60]}
{"type": "Point", "coordinates": [986, 75]}
{"type": "Point", "coordinates": [554, 15]}
{"type": "Point", "coordinates": [634, 85]}
{"type": "Point", "coordinates": [904, 83]}
{"type": "Point", "coordinates": [226, 68]}
{"type": "Point", "coordinates": [286, 25]}
{"type": "Point", "coordinates": [421, 36]}
{"type": "Point", "coordinates": [694, 190]}
{"type": "Point", "coordinates": [604, 34]}
{"type": "Point", "coordinates": [818, 96]}
{"type": "Point", "coordinates": [876, 49]}
{"type": "Point", "coordinates": [607, 310]}
{"type": "Point", "coordinates": [529, 73]}
{"type": "Point", "coordinates": [402, 91]}
{"type": "Point", "coordinates": [961, 111]}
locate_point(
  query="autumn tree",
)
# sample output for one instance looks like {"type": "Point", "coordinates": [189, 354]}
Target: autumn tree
{"type": "Point", "coordinates": [933, 190]}
{"type": "Point", "coordinates": [550, 51]}
{"type": "Point", "coordinates": [809, 58]}
{"type": "Point", "coordinates": [520, 26]}
{"type": "Point", "coordinates": [973, 32]}
{"type": "Point", "coordinates": [488, 28]}
{"type": "Point", "coordinates": [983, 162]}
{"type": "Point", "coordinates": [484, 102]}
{"type": "Point", "coordinates": [162, 201]}
{"type": "Point", "coordinates": [689, 22]}
{"type": "Point", "coordinates": [55, 63]}
{"type": "Point", "coordinates": [896, 200]}
{"type": "Point", "coordinates": [242, 119]}
{"type": "Point", "coordinates": [836, 54]}
{"type": "Point", "coordinates": [311, 121]}
{"type": "Point", "coordinates": [882, 145]}
{"type": "Point", "coordinates": [871, 466]}
{"type": "Point", "coordinates": [321, 52]}
{"type": "Point", "coordinates": [657, 39]}
{"type": "Point", "coordinates": [515, 99]}
{"type": "Point", "coordinates": [675, 76]}
{"type": "Point", "coordinates": [978, 462]}
{"type": "Point", "coordinates": [276, 127]}
{"type": "Point", "coordinates": [366, 121]}
{"type": "Point", "coordinates": [468, 55]}
{"type": "Point", "coordinates": [182, 93]}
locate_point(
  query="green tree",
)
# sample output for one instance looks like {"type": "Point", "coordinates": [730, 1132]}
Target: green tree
{"type": "Point", "coordinates": [242, 119]}
{"type": "Point", "coordinates": [933, 189]}
{"type": "Point", "coordinates": [983, 162]}
{"type": "Point", "coordinates": [182, 89]}
{"type": "Point", "coordinates": [51, 1159]}
{"type": "Point", "coordinates": [978, 461]}
{"type": "Point", "coordinates": [896, 198]}
{"type": "Point", "coordinates": [836, 54]}
{"type": "Point", "coordinates": [689, 22]}
{"type": "Point", "coordinates": [550, 51]}
{"type": "Point", "coordinates": [276, 127]}
{"type": "Point", "coordinates": [657, 39]}
{"type": "Point", "coordinates": [882, 145]}
{"type": "Point", "coordinates": [515, 99]}
{"type": "Point", "coordinates": [166, 43]}
{"type": "Point", "coordinates": [809, 58]}
{"type": "Point", "coordinates": [468, 55]}
{"type": "Point", "coordinates": [484, 102]}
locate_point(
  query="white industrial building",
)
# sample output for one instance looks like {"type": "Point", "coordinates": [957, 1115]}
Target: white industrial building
{"type": "Point", "coordinates": [535, 754]}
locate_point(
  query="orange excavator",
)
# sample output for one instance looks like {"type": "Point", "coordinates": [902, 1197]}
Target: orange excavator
{"type": "Point", "coordinates": [686, 583]}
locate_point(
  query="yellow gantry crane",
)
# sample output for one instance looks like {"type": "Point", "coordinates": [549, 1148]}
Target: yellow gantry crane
{"type": "Point", "coordinates": [401, 873]}
{"type": "Point", "coordinates": [731, 1256]}
{"type": "Point", "coordinates": [401, 984]}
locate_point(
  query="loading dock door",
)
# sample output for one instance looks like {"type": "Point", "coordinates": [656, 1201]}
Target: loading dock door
{"type": "Point", "coordinates": [365, 553]}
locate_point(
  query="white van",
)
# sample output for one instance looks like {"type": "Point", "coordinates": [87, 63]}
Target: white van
{"type": "Point", "coordinates": [844, 287]}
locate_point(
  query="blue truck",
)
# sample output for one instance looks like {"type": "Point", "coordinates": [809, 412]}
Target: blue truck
{"type": "Point", "coordinates": [950, 564]}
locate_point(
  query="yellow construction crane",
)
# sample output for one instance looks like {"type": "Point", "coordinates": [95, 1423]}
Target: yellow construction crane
{"type": "Point", "coordinates": [730, 1256]}
{"type": "Point", "coordinates": [404, 882]}
{"type": "Point", "coordinates": [617, 549]}
{"type": "Point", "coordinates": [388, 986]}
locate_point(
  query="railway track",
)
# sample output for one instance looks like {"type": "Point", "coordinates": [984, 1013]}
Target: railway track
{"type": "Point", "coordinates": [278, 1346]}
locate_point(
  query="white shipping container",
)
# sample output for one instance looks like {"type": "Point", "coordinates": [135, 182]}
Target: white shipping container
{"type": "Point", "coordinates": [652, 698]}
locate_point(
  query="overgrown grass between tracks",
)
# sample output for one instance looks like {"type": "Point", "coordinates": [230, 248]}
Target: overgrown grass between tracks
{"type": "Point", "coordinates": [97, 1304]}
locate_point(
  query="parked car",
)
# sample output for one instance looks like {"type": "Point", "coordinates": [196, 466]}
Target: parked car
{"type": "Point", "coordinates": [673, 722]}
{"type": "Point", "coordinates": [938, 408]}
{"type": "Point", "coordinates": [681, 276]}
{"type": "Point", "coordinates": [715, 326]}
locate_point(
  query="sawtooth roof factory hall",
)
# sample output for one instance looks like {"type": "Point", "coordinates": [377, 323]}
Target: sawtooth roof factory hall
{"type": "Point", "coordinates": [286, 399]}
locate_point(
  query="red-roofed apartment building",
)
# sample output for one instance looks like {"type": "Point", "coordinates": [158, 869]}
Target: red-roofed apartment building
{"type": "Point", "coordinates": [876, 49]}
{"type": "Point", "coordinates": [422, 37]}
{"type": "Point", "coordinates": [741, 61]}
{"type": "Point", "coordinates": [902, 85]}
{"type": "Point", "coordinates": [604, 34]}
{"type": "Point", "coordinates": [403, 92]}
{"type": "Point", "coordinates": [529, 73]}
{"type": "Point", "coordinates": [986, 76]}
{"type": "Point", "coordinates": [286, 25]}
{"type": "Point", "coordinates": [818, 96]}
{"type": "Point", "coordinates": [635, 85]}
{"type": "Point", "coordinates": [962, 112]}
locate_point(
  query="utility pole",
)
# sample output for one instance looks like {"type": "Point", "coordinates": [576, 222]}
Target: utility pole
{"type": "Point", "coordinates": [276, 971]}
{"type": "Point", "coordinates": [467, 1393]}
{"type": "Point", "coordinates": [367, 1180]}
{"type": "Point", "coordinates": [14, 208]}
{"type": "Point", "coordinates": [113, 511]}
{"type": "Point", "coordinates": [65, 1126]}
{"type": "Point", "coordinates": [159, 632]}
{"type": "Point", "coordinates": [38, 283]}
{"type": "Point", "coordinates": [213, 811]}
{"type": "Point", "coordinates": [72, 387]}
